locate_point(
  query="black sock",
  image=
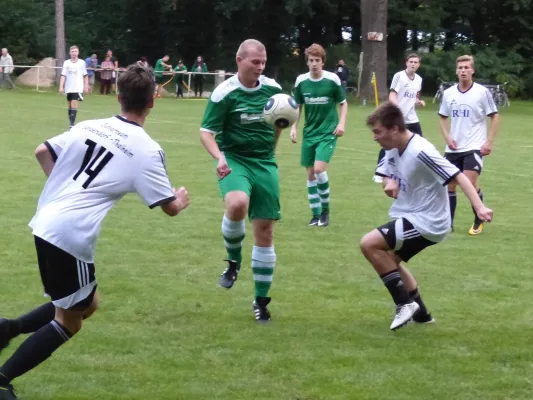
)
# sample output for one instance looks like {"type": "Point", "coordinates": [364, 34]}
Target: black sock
{"type": "Point", "coordinates": [34, 320]}
{"type": "Point", "coordinates": [36, 349]}
{"type": "Point", "coordinates": [477, 221]}
{"type": "Point", "coordinates": [73, 116]}
{"type": "Point", "coordinates": [415, 296]}
{"type": "Point", "coordinates": [452, 196]}
{"type": "Point", "coordinates": [393, 282]}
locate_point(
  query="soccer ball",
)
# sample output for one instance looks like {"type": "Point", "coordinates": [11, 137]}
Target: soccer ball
{"type": "Point", "coordinates": [281, 111]}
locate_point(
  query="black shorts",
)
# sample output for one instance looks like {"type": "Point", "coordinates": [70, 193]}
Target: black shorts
{"type": "Point", "coordinates": [74, 96]}
{"type": "Point", "coordinates": [71, 283]}
{"type": "Point", "coordinates": [467, 160]}
{"type": "Point", "coordinates": [404, 239]}
{"type": "Point", "coordinates": [159, 79]}
{"type": "Point", "coordinates": [415, 128]}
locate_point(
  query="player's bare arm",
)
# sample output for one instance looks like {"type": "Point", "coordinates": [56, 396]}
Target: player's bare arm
{"type": "Point", "coordinates": [180, 203]}
{"type": "Point", "coordinates": [62, 84]}
{"type": "Point", "coordinates": [445, 132]}
{"type": "Point", "coordinates": [393, 97]}
{"type": "Point", "coordinates": [86, 83]}
{"type": "Point", "coordinates": [294, 127]}
{"type": "Point", "coordinates": [210, 144]}
{"type": "Point", "coordinates": [486, 149]}
{"type": "Point", "coordinates": [391, 187]}
{"type": "Point", "coordinates": [483, 212]}
{"type": "Point", "coordinates": [45, 159]}
{"type": "Point", "coordinates": [339, 131]}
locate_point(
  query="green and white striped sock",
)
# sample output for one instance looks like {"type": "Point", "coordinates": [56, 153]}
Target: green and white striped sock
{"type": "Point", "coordinates": [263, 263]}
{"type": "Point", "coordinates": [323, 189]}
{"type": "Point", "coordinates": [314, 199]}
{"type": "Point", "coordinates": [233, 233]}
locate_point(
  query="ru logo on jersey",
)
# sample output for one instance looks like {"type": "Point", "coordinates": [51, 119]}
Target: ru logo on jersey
{"type": "Point", "coordinates": [463, 111]}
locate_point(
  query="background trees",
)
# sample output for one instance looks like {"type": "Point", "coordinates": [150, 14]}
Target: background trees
{"type": "Point", "coordinates": [498, 32]}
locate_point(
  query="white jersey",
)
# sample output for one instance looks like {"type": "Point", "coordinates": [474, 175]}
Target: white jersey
{"type": "Point", "coordinates": [74, 73]}
{"type": "Point", "coordinates": [96, 164]}
{"type": "Point", "coordinates": [408, 91]}
{"type": "Point", "coordinates": [468, 112]}
{"type": "Point", "coordinates": [422, 175]}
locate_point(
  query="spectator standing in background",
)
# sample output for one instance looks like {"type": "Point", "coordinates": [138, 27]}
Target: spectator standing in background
{"type": "Point", "coordinates": [199, 66]}
{"type": "Point", "coordinates": [180, 72]}
{"type": "Point", "coordinates": [343, 72]}
{"type": "Point", "coordinates": [114, 60]}
{"type": "Point", "coordinates": [91, 63]}
{"type": "Point", "coordinates": [106, 75]}
{"type": "Point", "coordinates": [6, 69]}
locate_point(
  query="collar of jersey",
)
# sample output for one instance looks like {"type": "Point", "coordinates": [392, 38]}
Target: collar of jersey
{"type": "Point", "coordinates": [126, 120]}
{"type": "Point", "coordinates": [316, 80]}
{"type": "Point", "coordinates": [411, 79]}
{"type": "Point", "coordinates": [400, 153]}
{"type": "Point", "coordinates": [248, 89]}
{"type": "Point", "coordinates": [460, 91]}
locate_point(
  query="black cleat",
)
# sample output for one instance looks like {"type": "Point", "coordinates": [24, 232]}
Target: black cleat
{"type": "Point", "coordinates": [7, 393]}
{"type": "Point", "coordinates": [324, 218]}
{"type": "Point", "coordinates": [229, 276]}
{"type": "Point", "coordinates": [420, 318]}
{"type": "Point", "coordinates": [314, 221]}
{"type": "Point", "coordinates": [260, 309]}
{"type": "Point", "coordinates": [5, 333]}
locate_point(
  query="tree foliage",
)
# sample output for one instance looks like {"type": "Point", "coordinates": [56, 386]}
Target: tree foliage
{"type": "Point", "coordinates": [499, 31]}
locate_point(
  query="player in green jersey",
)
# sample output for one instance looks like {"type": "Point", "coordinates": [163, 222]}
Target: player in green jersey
{"type": "Point", "coordinates": [235, 134]}
{"type": "Point", "coordinates": [319, 91]}
{"type": "Point", "coordinates": [160, 66]}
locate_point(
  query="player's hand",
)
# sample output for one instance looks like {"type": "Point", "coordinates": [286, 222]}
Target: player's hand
{"type": "Point", "coordinates": [421, 103]}
{"type": "Point", "coordinates": [293, 135]}
{"type": "Point", "coordinates": [339, 130]}
{"type": "Point", "coordinates": [86, 89]}
{"type": "Point", "coordinates": [61, 90]}
{"type": "Point", "coordinates": [182, 196]}
{"type": "Point", "coordinates": [485, 214]}
{"type": "Point", "coordinates": [392, 188]}
{"type": "Point", "coordinates": [486, 149]}
{"type": "Point", "coordinates": [452, 144]}
{"type": "Point", "coordinates": [223, 169]}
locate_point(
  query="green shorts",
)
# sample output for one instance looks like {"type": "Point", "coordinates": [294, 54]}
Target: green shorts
{"type": "Point", "coordinates": [259, 180]}
{"type": "Point", "coordinates": [318, 150]}
{"type": "Point", "coordinates": [159, 79]}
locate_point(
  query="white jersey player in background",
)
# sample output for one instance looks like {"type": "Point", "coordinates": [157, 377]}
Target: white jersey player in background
{"type": "Point", "coordinates": [74, 82]}
{"type": "Point", "coordinates": [89, 169]}
{"type": "Point", "coordinates": [415, 175]}
{"type": "Point", "coordinates": [405, 91]}
{"type": "Point", "coordinates": [467, 105]}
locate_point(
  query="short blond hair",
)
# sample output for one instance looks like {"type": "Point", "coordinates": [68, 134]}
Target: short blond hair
{"type": "Point", "coordinates": [465, 58]}
{"type": "Point", "coordinates": [74, 47]}
{"type": "Point", "coordinates": [249, 44]}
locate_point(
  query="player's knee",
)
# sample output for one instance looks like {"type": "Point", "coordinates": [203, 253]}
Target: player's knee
{"type": "Point", "coordinates": [366, 244]}
{"type": "Point", "coordinates": [72, 322]}
{"type": "Point", "coordinates": [92, 308]}
{"type": "Point", "coordinates": [237, 205]}
{"type": "Point", "coordinates": [319, 169]}
{"type": "Point", "coordinates": [264, 233]}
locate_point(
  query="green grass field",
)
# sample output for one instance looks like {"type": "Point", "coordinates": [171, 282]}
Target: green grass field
{"type": "Point", "coordinates": [165, 330]}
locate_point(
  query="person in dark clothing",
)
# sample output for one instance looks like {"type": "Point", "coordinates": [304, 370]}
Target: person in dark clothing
{"type": "Point", "coordinates": [343, 72]}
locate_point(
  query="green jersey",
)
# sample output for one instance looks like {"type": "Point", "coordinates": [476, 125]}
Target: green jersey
{"type": "Point", "coordinates": [179, 77]}
{"type": "Point", "coordinates": [320, 98]}
{"type": "Point", "coordinates": [159, 68]}
{"type": "Point", "coordinates": [234, 114]}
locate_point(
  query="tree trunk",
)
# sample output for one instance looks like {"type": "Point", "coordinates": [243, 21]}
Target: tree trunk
{"type": "Point", "coordinates": [374, 19]}
{"type": "Point", "coordinates": [60, 36]}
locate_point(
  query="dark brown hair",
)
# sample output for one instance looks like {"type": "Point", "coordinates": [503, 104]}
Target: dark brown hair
{"type": "Point", "coordinates": [136, 87]}
{"type": "Point", "coordinates": [388, 115]}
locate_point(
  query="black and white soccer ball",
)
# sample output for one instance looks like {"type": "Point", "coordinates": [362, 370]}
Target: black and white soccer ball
{"type": "Point", "coordinates": [281, 111]}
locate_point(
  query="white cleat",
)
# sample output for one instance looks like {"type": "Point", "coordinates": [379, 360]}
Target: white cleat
{"type": "Point", "coordinates": [403, 315]}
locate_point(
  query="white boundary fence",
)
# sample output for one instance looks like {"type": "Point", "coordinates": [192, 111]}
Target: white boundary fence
{"type": "Point", "coordinates": [219, 76]}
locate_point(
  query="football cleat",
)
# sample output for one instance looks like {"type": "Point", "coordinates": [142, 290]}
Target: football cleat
{"type": "Point", "coordinates": [476, 229]}
{"type": "Point", "coordinates": [229, 276]}
{"type": "Point", "coordinates": [403, 314]}
{"type": "Point", "coordinates": [260, 309]}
